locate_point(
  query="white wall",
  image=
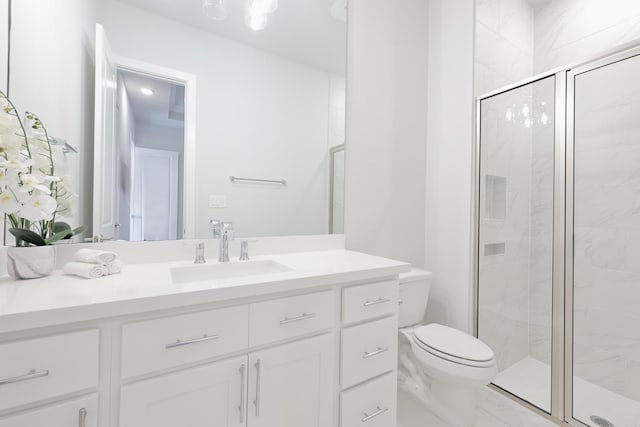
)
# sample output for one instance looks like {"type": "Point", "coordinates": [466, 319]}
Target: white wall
{"type": "Point", "coordinates": [449, 161]}
{"type": "Point", "coordinates": [386, 128]}
{"type": "Point", "coordinates": [58, 37]}
{"type": "Point", "coordinates": [256, 112]}
{"type": "Point", "coordinates": [4, 43]}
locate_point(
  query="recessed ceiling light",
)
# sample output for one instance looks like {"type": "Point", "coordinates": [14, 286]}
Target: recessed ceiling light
{"type": "Point", "coordinates": [146, 91]}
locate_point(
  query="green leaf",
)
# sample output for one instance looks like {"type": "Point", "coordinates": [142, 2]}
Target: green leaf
{"type": "Point", "coordinates": [58, 236]}
{"type": "Point", "coordinates": [78, 230]}
{"type": "Point", "coordinates": [27, 236]}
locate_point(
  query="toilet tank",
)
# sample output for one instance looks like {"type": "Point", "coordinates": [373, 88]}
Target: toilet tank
{"type": "Point", "coordinates": [414, 294]}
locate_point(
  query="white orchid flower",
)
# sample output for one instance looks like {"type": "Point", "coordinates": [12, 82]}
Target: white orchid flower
{"type": "Point", "coordinates": [16, 164]}
{"type": "Point", "coordinates": [8, 178]}
{"type": "Point", "coordinates": [37, 181]}
{"type": "Point", "coordinates": [8, 203]}
{"type": "Point", "coordinates": [38, 207]}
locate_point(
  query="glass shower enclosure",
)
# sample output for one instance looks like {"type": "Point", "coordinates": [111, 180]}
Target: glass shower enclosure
{"type": "Point", "coordinates": [557, 249]}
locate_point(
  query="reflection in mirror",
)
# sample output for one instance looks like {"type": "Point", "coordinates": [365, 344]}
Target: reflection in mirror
{"type": "Point", "coordinates": [167, 101]}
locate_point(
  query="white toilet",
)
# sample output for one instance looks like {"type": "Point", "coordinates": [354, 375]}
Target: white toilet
{"type": "Point", "coordinates": [441, 366]}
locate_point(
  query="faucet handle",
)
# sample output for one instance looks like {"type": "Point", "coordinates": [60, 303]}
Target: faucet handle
{"type": "Point", "coordinates": [244, 249]}
{"type": "Point", "coordinates": [215, 228]}
{"type": "Point", "coordinates": [200, 254]}
{"type": "Point", "coordinates": [227, 228]}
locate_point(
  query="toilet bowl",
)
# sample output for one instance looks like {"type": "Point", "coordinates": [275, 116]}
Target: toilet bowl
{"type": "Point", "coordinates": [442, 366]}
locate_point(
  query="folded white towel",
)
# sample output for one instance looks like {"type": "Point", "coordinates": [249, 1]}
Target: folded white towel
{"type": "Point", "coordinates": [94, 256]}
{"type": "Point", "coordinates": [115, 267]}
{"type": "Point", "coordinates": [83, 269]}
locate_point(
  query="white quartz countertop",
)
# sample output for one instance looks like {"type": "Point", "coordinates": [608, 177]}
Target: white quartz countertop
{"type": "Point", "coordinates": [60, 299]}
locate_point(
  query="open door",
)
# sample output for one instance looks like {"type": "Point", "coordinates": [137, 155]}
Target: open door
{"type": "Point", "coordinates": [154, 213]}
{"type": "Point", "coordinates": [104, 175]}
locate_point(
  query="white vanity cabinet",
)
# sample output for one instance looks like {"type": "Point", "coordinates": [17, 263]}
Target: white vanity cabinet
{"type": "Point", "coordinates": [212, 395]}
{"type": "Point", "coordinates": [81, 412]}
{"type": "Point", "coordinates": [315, 351]}
{"type": "Point", "coordinates": [291, 385]}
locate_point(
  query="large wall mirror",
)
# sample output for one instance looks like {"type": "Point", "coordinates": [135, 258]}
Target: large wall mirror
{"type": "Point", "coordinates": [176, 112]}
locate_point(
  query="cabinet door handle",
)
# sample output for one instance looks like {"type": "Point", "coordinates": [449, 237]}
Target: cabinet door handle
{"type": "Point", "coordinates": [31, 375]}
{"type": "Point", "coordinates": [82, 417]}
{"type": "Point", "coordinates": [380, 350]}
{"type": "Point", "coordinates": [376, 302]}
{"type": "Point", "coordinates": [304, 316]}
{"type": "Point", "coordinates": [180, 343]}
{"type": "Point", "coordinates": [256, 402]}
{"type": "Point", "coordinates": [243, 381]}
{"type": "Point", "coordinates": [379, 411]}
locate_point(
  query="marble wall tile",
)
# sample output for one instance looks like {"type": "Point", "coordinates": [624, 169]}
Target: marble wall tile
{"type": "Point", "coordinates": [573, 30]}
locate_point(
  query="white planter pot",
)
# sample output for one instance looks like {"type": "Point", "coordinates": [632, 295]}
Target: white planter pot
{"type": "Point", "coordinates": [30, 262]}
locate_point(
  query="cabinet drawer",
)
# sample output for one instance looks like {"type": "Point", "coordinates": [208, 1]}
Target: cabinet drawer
{"type": "Point", "coordinates": [369, 301]}
{"type": "Point", "coordinates": [368, 350]}
{"type": "Point", "coordinates": [42, 368]}
{"type": "Point", "coordinates": [81, 412]}
{"type": "Point", "coordinates": [289, 317]}
{"type": "Point", "coordinates": [157, 344]}
{"type": "Point", "coordinates": [372, 404]}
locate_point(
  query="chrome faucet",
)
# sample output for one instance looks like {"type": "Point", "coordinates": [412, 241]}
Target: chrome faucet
{"type": "Point", "coordinates": [224, 232]}
{"type": "Point", "coordinates": [200, 254]}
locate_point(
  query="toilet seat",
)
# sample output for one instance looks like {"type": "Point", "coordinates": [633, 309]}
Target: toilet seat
{"type": "Point", "coordinates": [453, 345]}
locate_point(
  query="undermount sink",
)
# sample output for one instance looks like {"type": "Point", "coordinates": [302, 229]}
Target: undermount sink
{"type": "Point", "coordinates": [199, 273]}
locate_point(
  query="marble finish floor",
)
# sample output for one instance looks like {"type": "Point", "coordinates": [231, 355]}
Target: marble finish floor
{"type": "Point", "coordinates": [494, 410]}
{"type": "Point", "coordinates": [531, 379]}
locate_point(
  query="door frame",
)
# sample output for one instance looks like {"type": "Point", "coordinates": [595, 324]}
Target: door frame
{"type": "Point", "coordinates": [188, 80]}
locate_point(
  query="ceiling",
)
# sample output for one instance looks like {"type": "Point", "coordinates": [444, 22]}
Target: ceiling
{"type": "Point", "coordinates": [301, 30]}
{"type": "Point", "coordinates": [164, 108]}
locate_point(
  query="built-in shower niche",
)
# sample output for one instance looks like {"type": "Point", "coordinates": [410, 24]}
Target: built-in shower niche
{"type": "Point", "coordinates": [495, 197]}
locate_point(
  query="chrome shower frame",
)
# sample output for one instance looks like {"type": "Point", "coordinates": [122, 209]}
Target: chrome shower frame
{"type": "Point", "coordinates": [563, 216]}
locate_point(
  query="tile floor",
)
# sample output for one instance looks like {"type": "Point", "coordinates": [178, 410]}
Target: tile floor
{"type": "Point", "coordinates": [494, 410]}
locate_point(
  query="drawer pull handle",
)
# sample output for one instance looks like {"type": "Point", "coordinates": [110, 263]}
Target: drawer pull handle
{"type": "Point", "coordinates": [243, 381]}
{"type": "Point", "coordinates": [380, 350]}
{"type": "Point", "coordinates": [376, 302]}
{"type": "Point", "coordinates": [82, 417]}
{"type": "Point", "coordinates": [180, 343]}
{"type": "Point", "coordinates": [31, 375]}
{"type": "Point", "coordinates": [304, 316]}
{"type": "Point", "coordinates": [379, 411]}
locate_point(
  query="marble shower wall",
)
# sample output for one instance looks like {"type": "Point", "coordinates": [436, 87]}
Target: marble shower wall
{"type": "Point", "coordinates": [505, 227]}
{"type": "Point", "coordinates": [607, 228]}
{"type": "Point", "coordinates": [566, 31]}
{"type": "Point", "coordinates": [504, 43]}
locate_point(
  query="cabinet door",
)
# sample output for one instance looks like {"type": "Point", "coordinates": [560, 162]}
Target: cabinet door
{"type": "Point", "coordinates": [212, 395]}
{"type": "Point", "coordinates": [81, 412]}
{"type": "Point", "coordinates": [292, 385]}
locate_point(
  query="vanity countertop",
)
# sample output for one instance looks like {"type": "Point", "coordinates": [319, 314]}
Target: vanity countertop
{"type": "Point", "coordinates": [60, 299]}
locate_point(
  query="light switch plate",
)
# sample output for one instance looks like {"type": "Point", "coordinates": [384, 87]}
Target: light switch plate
{"type": "Point", "coordinates": [217, 201]}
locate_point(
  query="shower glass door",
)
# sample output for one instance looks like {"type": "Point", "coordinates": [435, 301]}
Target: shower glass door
{"type": "Point", "coordinates": [515, 236]}
{"type": "Point", "coordinates": [606, 239]}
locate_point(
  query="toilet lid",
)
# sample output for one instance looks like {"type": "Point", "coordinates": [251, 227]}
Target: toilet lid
{"type": "Point", "coordinates": [453, 345]}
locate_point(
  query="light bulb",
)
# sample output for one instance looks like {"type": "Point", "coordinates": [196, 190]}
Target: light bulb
{"type": "Point", "coordinates": [215, 9]}
{"type": "Point", "coordinates": [256, 22]}
{"type": "Point", "coordinates": [509, 114]}
{"type": "Point", "coordinates": [525, 110]}
{"type": "Point", "coordinates": [544, 119]}
{"type": "Point", "coordinates": [261, 7]}
{"type": "Point", "coordinates": [527, 123]}
{"type": "Point", "coordinates": [146, 91]}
